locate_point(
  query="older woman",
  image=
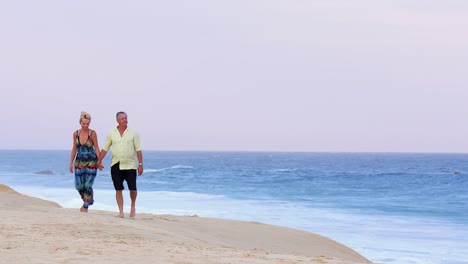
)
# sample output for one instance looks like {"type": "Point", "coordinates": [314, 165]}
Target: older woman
{"type": "Point", "coordinates": [84, 157]}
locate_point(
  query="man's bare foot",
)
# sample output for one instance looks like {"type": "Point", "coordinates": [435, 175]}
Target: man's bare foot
{"type": "Point", "coordinates": [132, 213]}
{"type": "Point", "coordinates": [120, 215]}
{"type": "Point", "coordinates": [83, 210]}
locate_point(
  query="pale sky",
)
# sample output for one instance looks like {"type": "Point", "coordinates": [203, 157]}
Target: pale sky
{"type": "Point", "coordinates": [248, 75]}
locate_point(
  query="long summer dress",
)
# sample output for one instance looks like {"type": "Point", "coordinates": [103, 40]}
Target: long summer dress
{"type": "Point", "coordinates": [85, 168]}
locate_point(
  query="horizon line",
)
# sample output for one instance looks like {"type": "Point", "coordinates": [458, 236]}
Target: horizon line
{"type": "Point", "coordinates": [266, 151]}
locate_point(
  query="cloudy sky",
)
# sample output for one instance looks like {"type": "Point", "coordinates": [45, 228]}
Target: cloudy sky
{"type": "Point", "coordinates": [250, 75]}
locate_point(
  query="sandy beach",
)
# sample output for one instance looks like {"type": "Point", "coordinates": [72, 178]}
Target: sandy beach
{"type": "Point", "coordinates": [39, 231]}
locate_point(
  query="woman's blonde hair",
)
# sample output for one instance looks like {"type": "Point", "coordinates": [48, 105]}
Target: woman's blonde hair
{"type": "Point", "coordinates": [85, 115]}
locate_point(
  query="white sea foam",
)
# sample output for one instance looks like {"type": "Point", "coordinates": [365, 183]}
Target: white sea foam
{"type": "Point", "coordinates": [168, 168]}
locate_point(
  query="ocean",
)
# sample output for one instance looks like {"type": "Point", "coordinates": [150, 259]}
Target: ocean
{"type": "Point", "coordinates": [394, 208]}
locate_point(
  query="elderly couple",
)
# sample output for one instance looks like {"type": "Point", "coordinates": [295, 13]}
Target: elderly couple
{"type": "Point", "coordinates": [86, 158]}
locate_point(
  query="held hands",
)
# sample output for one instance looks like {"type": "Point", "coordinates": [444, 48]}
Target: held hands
{"type": "Point", "coordinates": [100, 166]}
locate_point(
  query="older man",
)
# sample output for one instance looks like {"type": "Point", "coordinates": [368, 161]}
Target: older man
{"type": "Point", "coordinates": [126, 149]}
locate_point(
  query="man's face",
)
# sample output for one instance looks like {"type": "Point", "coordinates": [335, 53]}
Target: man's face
{"type": "Point", "coordinates": [122, 120]}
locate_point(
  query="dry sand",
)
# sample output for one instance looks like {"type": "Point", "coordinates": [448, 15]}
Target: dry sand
{"type": "Point", "coordinates": [38, 231]}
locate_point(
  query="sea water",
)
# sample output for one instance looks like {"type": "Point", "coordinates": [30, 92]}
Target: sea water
{"type": "Point", "coordinates": [395, 208]}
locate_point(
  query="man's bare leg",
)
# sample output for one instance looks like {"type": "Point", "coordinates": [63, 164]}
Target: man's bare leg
{"type": "Point", "coordinates": [119, 199]}
{"type": "Point", "coordinates": [133, 196]}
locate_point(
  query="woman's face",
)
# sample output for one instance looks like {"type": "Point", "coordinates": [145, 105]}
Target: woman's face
{"type": "Point", "coordinates": [85, 123]}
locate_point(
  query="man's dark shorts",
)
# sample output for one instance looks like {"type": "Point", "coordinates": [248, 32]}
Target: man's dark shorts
{"type": "Point", "coordinates": [119, 176]}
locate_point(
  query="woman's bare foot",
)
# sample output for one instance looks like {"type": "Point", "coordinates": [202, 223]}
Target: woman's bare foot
{"type": "Point", "coordinates": [132, 213]}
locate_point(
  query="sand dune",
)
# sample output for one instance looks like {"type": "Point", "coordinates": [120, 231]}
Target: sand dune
{"type": "Point", "coordinates": [39, 231]}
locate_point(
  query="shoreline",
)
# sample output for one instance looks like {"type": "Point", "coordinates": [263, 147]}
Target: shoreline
{"type": "Point", "coordinates": [42, 231]}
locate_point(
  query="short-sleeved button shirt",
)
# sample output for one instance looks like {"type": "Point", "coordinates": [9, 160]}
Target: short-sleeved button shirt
{"type": "Point", "coordinates": [124, 148]}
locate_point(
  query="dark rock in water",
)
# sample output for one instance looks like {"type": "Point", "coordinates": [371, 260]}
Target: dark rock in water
{"type": "Point", "coordinates": [45, 172]}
